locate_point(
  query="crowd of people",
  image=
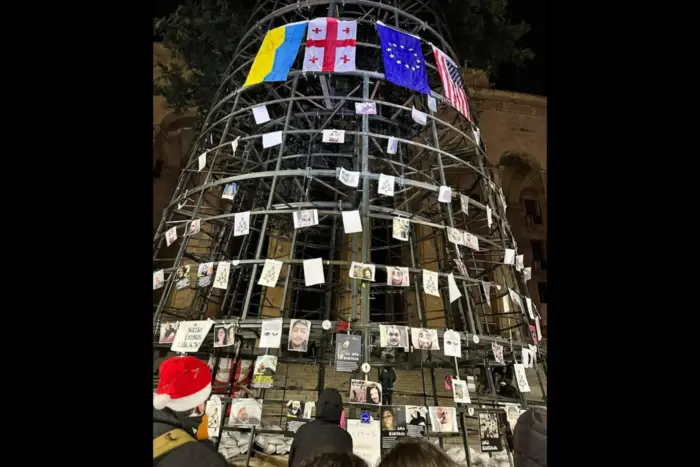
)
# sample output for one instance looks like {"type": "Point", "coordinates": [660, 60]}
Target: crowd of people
{"type": "Point", "coordinates": [180, 436]}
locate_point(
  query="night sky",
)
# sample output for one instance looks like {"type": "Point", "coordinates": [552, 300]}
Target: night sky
{"type": "Point", "coordinates": [531, 78]}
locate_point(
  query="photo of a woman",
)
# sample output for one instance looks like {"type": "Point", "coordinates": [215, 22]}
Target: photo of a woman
{"type": "Point", "coordinates": [374, 394]}
{"type": "Point", "coordinates": [220, 337]}
{"type": "Point", "coordinates": [224, 335]}
{"type": "Point", "coordinates": [388, 419]}
{"type": "Point", "coordinates": [231, 339]}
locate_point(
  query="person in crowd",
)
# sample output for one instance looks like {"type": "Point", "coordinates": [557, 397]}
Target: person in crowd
{"type": "Point", "coordinates": [179, 429]}
{"type": "Point", "coordinates": [416, 452]}
{"type": "Point", "coordinates": [334, 459]}
{"type": "Point", "coordinates": [387, 377]}
{"type": "Point", "coordinates": [530, 439]}
{"type": "Point", "coordinates": [322, 435]}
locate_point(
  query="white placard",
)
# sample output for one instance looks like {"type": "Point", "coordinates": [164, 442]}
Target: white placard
{"type": "Point", "coordinates": [260, 114]}
{"type": "Point", "coordinates": [213, 412]}
{"type": "Point", "coordinates": [477, 134]}
{"type": "Point", "coordinates": [521, 377]}
{"type": "Point", "coordinates": [445, 194]}
{"type": "Point", "coordinates": [525, 355]}
{"type": "Point", "coordinates": [386, 185]}
{"type": "Point", "coordinates": [234, 145]}
{"type": "Point", "coordinates": [271, 334]}
{"type": "Point", "coordinates": [392, 145]}
{"type": "Point", "coordinates": [471, 241]}
{"type": "Point", "coordinates": [537, 326]}
{"type": "Point", "coordinates": [460, 392]}
{"type": "Point", "coordinates": [349, 178]}
{"type": "Point", "coordinates": [487, 291]}
{"type": "Point", "coordinates": [272, 139]}
{"type": "Point", "coordinates": [455, 235]}
{"type": "Point", "coordinates": [270, 273]}
{"type": "Point", "coordinates": [365, 108]}
{"type": "Point", "coordinates": [515, 298]}
{"type": "Point", "coordinates": [453, 289]}
{"type": "Point", "coordinates": [400, 228]}
{"type": "Point", "coordinates": [306, 218]}
{"type": "Point", "coordinates": [527, 273]}
{"type": "Point", "coordinates": [509, 256]}
{"type": "Point", "coordinates": [202, 162]}
{"type": "Point", "coordinates": [528, 302]}
{"type": "Point", "coordinates": [519, 262]}
{"type": "Point", "coordinates": [430, 283]}
{"type": "Point", "coordinates": [366, 439]}
{"type": "Point", "coordinates": [418, 116]}
{"type": "Point", "coordinates": [195, 226]}
{"type": "Point", "coordinates": [313, 272]}
{"type": "Point", "coordinates": [241, 223]}
{"type": "Point", "coordinates": [222, 272]}
{"type": "Point", "coordinates": [452, 343]}
{"type": "Point", "coordinates": [464, 203]}
{"type": "Point", "coordinates": [352, 222]}
{"type": "Point", "coordinates": [489, 216]}
{"type": "Point", "coordinates": [397, 276]}
{"type": "Point", "coordinates": [170, 236]}
{"type": "Point", "coordinates": [190, 335]}
{"type": "Point", "coordinates": [158, 279]}
{"type": "Point", "coordinates": [432, 103]}
{"type": "Point", "coordinates": [334, 136]}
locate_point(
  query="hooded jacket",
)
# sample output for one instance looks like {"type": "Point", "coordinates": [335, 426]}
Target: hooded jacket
{"type": "Point", "coordinates": [324, 433]}
{"type": "Point", "coordinates": [192, 454]}
{"type": "Point", "coordinates": [530, 439]}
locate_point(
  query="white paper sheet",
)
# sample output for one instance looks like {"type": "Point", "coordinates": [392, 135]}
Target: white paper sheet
{"type": "Point", "coordinates": [537, 326]}
{"type": "Point", "coordinates": [313, 272]}
{"type": "Point", "coordinates": [471, 241]}
{"type": "Point", "coordinates": [386, 185]}
{"type": "Point", "coordinates": [363, 271]}
{"type": "Point", "coordinates": [352, 222]}
{"type": "Point", "coordinates": [202, 160]}
{"type": "Point", "coordinates": [418, 116]}
{"type": "Point", "coordinates": [452, 343]}
{"type": "Point", "coordinates": [432, 103]}
{"type": "Point", "coordinates": [453, 289]}
{"type": "Point", "coordinates": [392, 145]}
{"type": "Point", "coordinates": [222, 272]}
{"type": "Point", "coordinates": [213, 412]}
{"type": "Point", "coordinates": [366, 439]}
{"type": "Point", "coordinates": [430, 283]}
{"type": "Point", "coordinates": [349, 178]}
{"type": "Point", "coordinates": [272, 139]}
{"type": "Point", "coordinates": [260, 114]}
{"type": "Point", "coordinates": [477, 134]}
{"type": "Point", "coordinates": [234, 145]}
{"type": "Point", "coordinates": [445, 194]}
{"type": "Point", "coordinates": [527, 273]}
{"type": "Point", "coordinates": [528, 302]}
{"type": "Point", "coordinates": [487, 291]}
{"type": "Point", "coordinates": [270, 273]}
{"type": "Point", "coordinates": [170, 236]}
{"type": "Point", "coordinates": [464, 203]}
{"type": "Point", "coordinates": [497, 352]}
{"type": "Point", "coordinates": [271, 334]}
{"type": "Point", "coordinates": [305, 218]}
{"type": "Point", "coordinates": [521, 377]}
{"type": "Point", "coordinates": [520, 262]}
{"type": "Point", "coordinates": [334, 136]}
{"type": "Point", "coordinates": [195, 226]}
{"type": "Point", "coordinates": [489, 216]}
{"type": "Point", "coordinates": [455, 235]}
{"type": "Point", "coordinates": [509, 256]}
{"type": "Point", "coordinates": [365, 108]}
{"type": "Point", "coordinates": [397, 276]}
{"type": "Point", "coordinates": [460, 392]}
{"type": "Point", "coordinates": [400, 228]}
{"type": "Point", "coordinates": [241, 223]}
{"type": "Point", "coordinates": [158, 279]}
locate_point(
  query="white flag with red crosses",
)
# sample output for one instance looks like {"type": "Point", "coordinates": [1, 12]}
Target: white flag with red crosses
{"type": "Point", "coordinates": [330, 45]}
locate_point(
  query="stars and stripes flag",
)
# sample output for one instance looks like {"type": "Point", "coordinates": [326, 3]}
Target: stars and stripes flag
{"type": "Point", "coordinates": [330, 45]}
{"type": "Point", "coordinates": [452, 83]}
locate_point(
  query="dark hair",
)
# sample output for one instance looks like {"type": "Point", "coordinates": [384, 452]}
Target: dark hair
{"type": "Point", "coordinates": [412, 452]}
{"type": "Point", "coordinates": [334, 459]}
{"type": "Point", "coordinates": [368, 397]}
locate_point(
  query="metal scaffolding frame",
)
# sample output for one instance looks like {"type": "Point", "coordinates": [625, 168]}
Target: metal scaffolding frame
{"type": "Point", "coordinates": [302, 173]}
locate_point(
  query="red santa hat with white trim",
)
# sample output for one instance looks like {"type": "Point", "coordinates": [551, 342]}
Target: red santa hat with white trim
{"type": "Point", "coordinates": [185, 382]}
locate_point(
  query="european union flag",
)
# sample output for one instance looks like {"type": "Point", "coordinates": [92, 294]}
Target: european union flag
{"type": "Point", "coordinates": [404, 63]}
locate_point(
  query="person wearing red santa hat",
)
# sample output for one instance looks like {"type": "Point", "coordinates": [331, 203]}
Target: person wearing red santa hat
{"type": "Point", "coordinates": [178, 406]}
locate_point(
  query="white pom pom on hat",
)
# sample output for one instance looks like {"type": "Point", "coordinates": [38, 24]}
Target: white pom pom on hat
{"type": "Point", "coordinates": [160, 401]}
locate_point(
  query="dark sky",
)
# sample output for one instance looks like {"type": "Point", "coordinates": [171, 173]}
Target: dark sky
{"type": "Point", "coordinates": [531, 78]}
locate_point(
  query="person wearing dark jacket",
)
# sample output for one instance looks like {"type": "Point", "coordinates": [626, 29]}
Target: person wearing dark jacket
{"type": "Point", "coordinates": [322, 435]}
{"type": "Point", "coordinates": [179, 433]}
{"type": "Point", "coordinates": [530, 439]}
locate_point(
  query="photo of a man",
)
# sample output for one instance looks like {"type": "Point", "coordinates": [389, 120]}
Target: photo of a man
{"type": "Point", "coordinates": [425, 339]}
{"type": "Point", "coordinates": [299, 331]}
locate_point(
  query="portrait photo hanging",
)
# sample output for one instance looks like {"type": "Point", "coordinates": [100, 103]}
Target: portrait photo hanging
{"type": "Point", "coordinates": [425, 339]}
{"type": "Point", "coordinates": [182, 277]}
{"type": "Point", "coordinates": [443, 419]}
{"type": "Point", "coordinates": [488, 432]}
{"type": "Point", "coordinates": [397, 276]}
{"type": "Point", "coordinates": [392, 336]}
{"type": "Point", "coordinates": [299, 332]}
{"type": "Point", "coordinates": [204, 274]}
{"type": "Point", "coordinates": [362, 271]}
{"type": "Point", "coordinates": [400, 228]}
{"type": "Point", "coordinates": [167, 332]}
{"type": "Point", "coordinates": [365, 392]}
{"type": "Point", "coordinates": [305, 218]}
{"type": "Point", "coordinates": [195, 226]}
{"type": "Point", "coordinates": [460, 392]}
{"type": "Point", "coordinates": [224, 335]}
{"type": "Point", "coordinates": [245, 412]}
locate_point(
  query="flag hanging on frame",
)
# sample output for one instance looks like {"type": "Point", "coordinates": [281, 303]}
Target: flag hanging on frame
{"type": "Point", "coordinates": [404, 63]}
{"type": "Point", "coordinates": [330, 45]}
{"type": "Point", "coordinates": [452, 83]}
{"type": "Point", "coordinates": [276, 54]}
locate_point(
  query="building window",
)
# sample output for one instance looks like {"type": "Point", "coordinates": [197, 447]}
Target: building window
{"type": "Point", "coordinates": [158, 169]}
{"type": "Point", "coordinates": [539, 255]}
{"type": "Point", "coordinates": [542, 289]}
{"type": "Point", "coordinates": [533, 215]}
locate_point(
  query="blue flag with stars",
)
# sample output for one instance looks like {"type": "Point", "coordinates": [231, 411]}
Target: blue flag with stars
{"type": "Point", "coordinates": [404, 63]}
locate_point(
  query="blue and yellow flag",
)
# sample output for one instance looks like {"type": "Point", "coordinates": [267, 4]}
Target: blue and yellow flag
{"type": "Point", "coordinates": [276, 54]}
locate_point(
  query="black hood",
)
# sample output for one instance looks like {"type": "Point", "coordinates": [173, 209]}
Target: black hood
{"type": "Point", "coordinates": [530, 439]}
{"type": "Point", "coordinates": [175, 419]}
{"type": "Point", "coordinates": [329, 406]}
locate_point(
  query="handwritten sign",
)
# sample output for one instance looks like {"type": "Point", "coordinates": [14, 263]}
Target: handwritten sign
{"type": "Point", "coordinates": [190, 335]}
{"type": "Point", "coordinates": [365, 440]}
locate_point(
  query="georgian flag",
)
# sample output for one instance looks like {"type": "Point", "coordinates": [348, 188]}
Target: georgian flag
{"type": "Point", "coordinates": [330, 45]}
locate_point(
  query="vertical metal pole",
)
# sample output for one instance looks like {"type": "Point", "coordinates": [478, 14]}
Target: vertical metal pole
{"type": "Point", "coordinates": [366, 223]}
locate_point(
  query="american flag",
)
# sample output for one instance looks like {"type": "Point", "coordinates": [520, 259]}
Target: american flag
{"type": "Point", "coordinates": [452, 83]}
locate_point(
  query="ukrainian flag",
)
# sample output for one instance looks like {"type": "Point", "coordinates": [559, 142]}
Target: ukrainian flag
{"type": "Point", "coordinates": [276, 54]}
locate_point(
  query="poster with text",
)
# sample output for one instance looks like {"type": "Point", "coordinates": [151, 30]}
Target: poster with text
{"type": "Point", "coordinates": [264, 371]}
{"type": "Point", "coordinates": [245, 412]}
{"type": "Point", "coordinates": [365, 392]}
{"type": "Point", "coordinates": [167, 332]}
{"type": "Point", "coordinates": [271, 334]}
{"type": "Point", "coordinates": [299, 331]}
{"type": "Point", "coordinates": [348, 349]}
{"type": "Point", "coordinates": [488, 432]}
{"type": "Point", "coordinates": [392, 421]}
{"type": "Point", "coordinates": [443, 419]}
{"type": "Point", "coordinates": [416, 420]}
{"type": "Point", "coordinates": [190, 335]}
{"type": "Point", "coordinates": [425, 339]}
{"type": "Point", "coordinates": [365, 440]}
